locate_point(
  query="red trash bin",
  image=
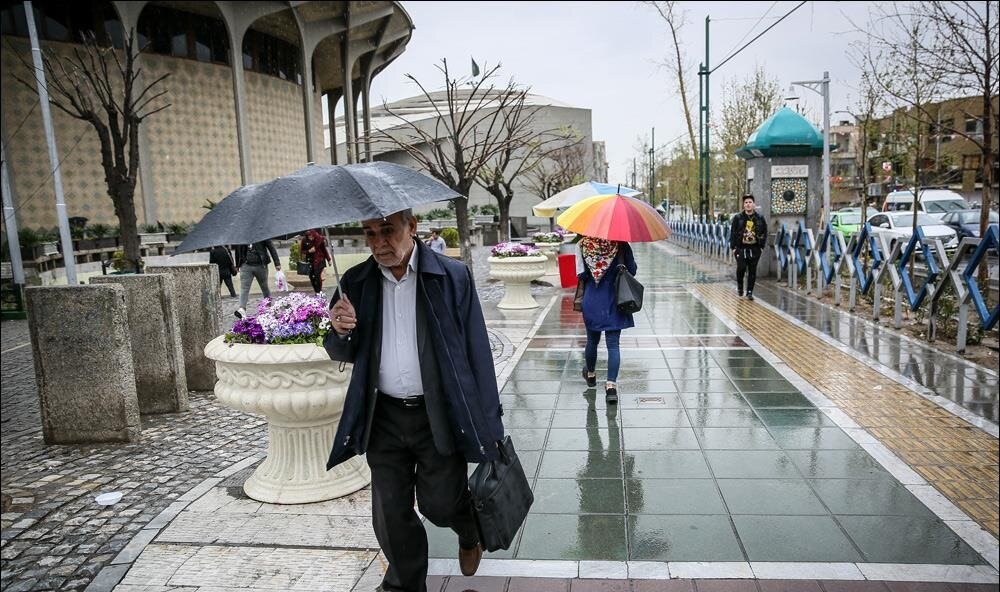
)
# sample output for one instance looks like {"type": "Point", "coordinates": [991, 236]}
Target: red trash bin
{"type": "Point", "coordinates": [567, 270]}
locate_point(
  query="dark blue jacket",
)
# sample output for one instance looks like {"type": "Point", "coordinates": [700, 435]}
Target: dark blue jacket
{"type": "Point", "coordinates": [600, 311]}
{"type": "Point", "coordinates": [458, 334]}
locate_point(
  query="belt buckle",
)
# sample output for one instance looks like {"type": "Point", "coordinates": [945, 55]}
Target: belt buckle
{"type": "Point", "coordinates": [411, 402]}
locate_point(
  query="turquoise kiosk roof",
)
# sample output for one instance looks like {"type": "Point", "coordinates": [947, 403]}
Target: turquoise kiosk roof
{"type": "Point", "coordinates": [786, 133]}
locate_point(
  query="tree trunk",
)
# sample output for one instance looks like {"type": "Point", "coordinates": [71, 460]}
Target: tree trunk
{"type": "Point", "coordinates": [504, 205]}
{"type": "Point", "coordinates": [125, 209]}
{"type": "Point", "coordinates": [987, 198]}
{"type": "Point", "coordinates": [462, 220]}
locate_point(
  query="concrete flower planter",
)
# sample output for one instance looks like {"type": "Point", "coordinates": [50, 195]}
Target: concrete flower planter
{"type": "Point", "coordinates": [516, 274]}
{"type": "Point", "coordinates": [550, 250]}
{"type": "Point", "coordinates": [152, 238]}
{"type": "Point", "coordinates": [301, 392]}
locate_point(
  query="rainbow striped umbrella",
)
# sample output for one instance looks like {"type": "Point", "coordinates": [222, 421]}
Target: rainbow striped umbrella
{"type": "Point", "coordinates": [615, 217]}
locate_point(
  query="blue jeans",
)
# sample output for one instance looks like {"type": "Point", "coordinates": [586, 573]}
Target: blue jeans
{"type": "Point", "coordinates": [614, 353]}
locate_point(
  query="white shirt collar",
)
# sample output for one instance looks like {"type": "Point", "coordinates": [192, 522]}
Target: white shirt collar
{"type": "Point", "coordinates": [411, 267]}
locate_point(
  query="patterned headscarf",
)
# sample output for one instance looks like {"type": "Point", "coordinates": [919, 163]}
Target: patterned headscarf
{"type": "Point", "coordinates": [598, 253]}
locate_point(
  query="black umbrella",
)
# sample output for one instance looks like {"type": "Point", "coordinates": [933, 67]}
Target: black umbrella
{"type": "Point", "coordinates": [315, 196]}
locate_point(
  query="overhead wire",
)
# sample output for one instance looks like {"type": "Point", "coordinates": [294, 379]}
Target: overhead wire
{"type": "Point", "coordinates": [759, 35]}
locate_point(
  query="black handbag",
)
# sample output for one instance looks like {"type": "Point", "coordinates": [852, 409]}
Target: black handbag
{"type": "Point", "coordinates": [501, 497]}
{"type": "Point", "coordinates": [303, 268]}
{"type": "Point", "coordinates": [628, 292]}
{"type": "Point", "coordinates": [581, 287]}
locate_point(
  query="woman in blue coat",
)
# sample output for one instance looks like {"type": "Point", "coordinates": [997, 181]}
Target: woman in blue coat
{"type": "Point", "coordinates": [601, 259]}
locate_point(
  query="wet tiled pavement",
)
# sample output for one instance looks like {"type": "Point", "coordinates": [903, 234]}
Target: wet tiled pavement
{"type": "Point", "coordinates": [725, 466]}
{"type": "Point", "coordinates": [711, 454]}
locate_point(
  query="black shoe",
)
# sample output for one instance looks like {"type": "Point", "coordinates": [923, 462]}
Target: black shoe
{"type": "Point", "coordinates": [239, 313]}
{"type": "Point", "coordinates": [591, 380]}
{"type": "Point", "coordinates": [750, 296]}
{"type": "Point", "coordinates": [611, 395]}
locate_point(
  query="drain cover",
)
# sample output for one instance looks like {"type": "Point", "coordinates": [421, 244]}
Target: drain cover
{"type": "Point", "coordinates": [649, 400]}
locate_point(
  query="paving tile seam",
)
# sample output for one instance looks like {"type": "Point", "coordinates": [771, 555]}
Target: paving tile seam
{"type": "Point", "coordinates": [248, 545]}
{"type": "Point", "coordinates": [515, 358]}
{"type": "Point", "coordinates": [714, 293]}
{"type": "Point", "coordinates": [708, 570]}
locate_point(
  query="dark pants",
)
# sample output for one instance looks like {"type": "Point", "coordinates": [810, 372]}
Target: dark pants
{"type": "Point", "coordinates": [614, 352]}
{"type": "Point", "coordinates": [316, 279]}
{"type": "Point", "coordinates": [228, 280]}
{"type": "Point", "coordinates": [403, 460]}
{"type": "Point", "coordinates": [746, 263]}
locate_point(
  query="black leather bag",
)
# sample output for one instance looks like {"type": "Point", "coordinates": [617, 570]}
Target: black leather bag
{"type": "Point", "coordinates": [581, 287]}
{"type": "Point", "coordinates": [628, 292]}
{"type": "Point", "coordinates": [501, 497]}
{"type": "Point", "coordinates": [303, 268]}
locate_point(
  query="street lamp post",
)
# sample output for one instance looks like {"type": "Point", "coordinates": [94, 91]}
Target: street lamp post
{"type": "Point", "coordinates": [822, 87]}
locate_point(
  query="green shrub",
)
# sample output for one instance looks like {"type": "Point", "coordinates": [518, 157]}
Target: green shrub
{"type": "Point", "coordinates": [114, 230]}
{"type": "Point", "coordinates": [29, 237]}
{"type": "Point", "coordinates": [450, 236]}
{"type": "Point", "coordinates": [98, 230]}
{"type": "Point", "coordinates": [149, 228]}
{"type": "Point", "coordinates": [439, 214]}
{"type": "Point", "coordinates": [294, 256]}
{"type": "Point", "coordinates": [177, 228]}
{"type": "Point", "coordinates": [76, 232]}
{"type": "Point", "coordinates": [490, 210]}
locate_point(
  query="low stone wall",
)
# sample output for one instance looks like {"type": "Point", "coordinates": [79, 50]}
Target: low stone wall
{"type": "Point", "coordinates": [158, 357]}
{"type": "Point", "coordinates": [83, 363]}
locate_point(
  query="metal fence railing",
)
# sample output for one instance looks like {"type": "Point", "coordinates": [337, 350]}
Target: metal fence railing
{"type": "Point", "coordinates": [916, 273]}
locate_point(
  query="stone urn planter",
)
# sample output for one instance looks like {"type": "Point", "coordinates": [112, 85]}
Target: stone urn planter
{"type": "Point", "coordinates": [550, 250]}
{"type": "Point", "coordinates": [301, 392]}
{"type": "Point", "coordinates": [516, 274]}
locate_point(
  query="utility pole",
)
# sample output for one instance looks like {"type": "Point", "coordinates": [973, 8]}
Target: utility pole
{"type": "Point", "coordinates": [633, 172]}
{"type": "Point", "coordinates": [652, 169]}
{"type": "Point", "coordinates": [704, 163]}
{"type": "Point", "coordinates": [822, 87]}
{"type": "Point", "coordinates": [69, 259]}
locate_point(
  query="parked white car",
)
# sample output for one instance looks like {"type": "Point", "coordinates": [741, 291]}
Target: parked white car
{"type": "Point", "coordinates": [933, 202]}
{"type": "Point", "coordinates": [898, 227]}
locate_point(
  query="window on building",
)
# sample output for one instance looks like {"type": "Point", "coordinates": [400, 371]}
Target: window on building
{"type": "Point", "coordinates": [973, 125]}
{"type": "Point", "coordinates": [269, 55]}
{"type": "Point", "coordinates": [972, 162]}
{"type": "Point", "coordinates": [69, 22]}
{"type": "Point", "coordinates": [168, 31]}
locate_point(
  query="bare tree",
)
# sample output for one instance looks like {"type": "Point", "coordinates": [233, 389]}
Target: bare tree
{"type": "Point", "coordinates": [893, 56]}
{"type": "Point", "coordinates": [463, 138]}
{"type": "Point", "coordinates": [675, 20]}
{"type": "Point", "coordinates": [97, 85]}
{"type": "Point", "coordinates": [561, 168]}
{"type": "Point", "coordinates": [962, 47]}
{"type": "Point", "coordinates": [746, 104]}
{"type": "Point", "coordinates": [524, 148]}
{"type": "Point", "coordinates": [868, 102]}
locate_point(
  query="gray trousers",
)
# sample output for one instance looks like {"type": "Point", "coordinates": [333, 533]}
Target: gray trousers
{"type": "Point", "coordinates": [247, 275]}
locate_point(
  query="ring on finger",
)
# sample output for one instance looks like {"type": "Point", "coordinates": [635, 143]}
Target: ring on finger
{"type": "Point", "coordinates": [337, 318]}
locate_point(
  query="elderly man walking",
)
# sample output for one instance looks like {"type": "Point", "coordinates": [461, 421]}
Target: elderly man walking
{"type": "Point", "coordinates": [423, 396]}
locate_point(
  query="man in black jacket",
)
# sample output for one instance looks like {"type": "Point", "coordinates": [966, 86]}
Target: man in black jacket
{"type": "Point", "coordinates": [423, 396]}
{"type": "Point", "coordinates": [251, 263]}
{"type": "Point", "coordinates": [747, 238]}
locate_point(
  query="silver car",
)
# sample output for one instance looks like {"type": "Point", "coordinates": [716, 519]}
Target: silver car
{"type": "Point", "coordinates": [898, 227]}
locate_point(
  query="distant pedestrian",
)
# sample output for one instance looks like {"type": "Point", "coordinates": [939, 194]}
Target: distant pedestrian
{"type": "Point", "coordinates": [313, 249]}
{"type": "Point", "coordinates": [436, 243]}
{"type": "Point", "coordinates": [251, 263]}
{"type": "Point", "coordinates": [221, 256]}
{"type": "Point", "coordinates": [601, 261]}
{"type": "Point", "coordinates": [747, 238]}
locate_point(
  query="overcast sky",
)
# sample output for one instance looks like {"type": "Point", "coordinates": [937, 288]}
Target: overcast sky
{"type": "Point", "coordinates": [605, 56]}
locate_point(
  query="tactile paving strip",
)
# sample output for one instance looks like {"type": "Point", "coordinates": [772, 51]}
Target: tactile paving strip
{"type": "Point", "coordinates": [958, 459]}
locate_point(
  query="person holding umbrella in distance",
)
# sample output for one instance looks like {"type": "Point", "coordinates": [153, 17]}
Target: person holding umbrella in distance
{"type": "Point", "coordinates": [609, 223]}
